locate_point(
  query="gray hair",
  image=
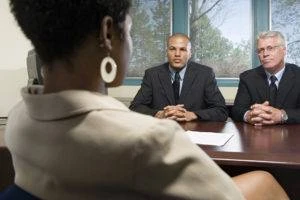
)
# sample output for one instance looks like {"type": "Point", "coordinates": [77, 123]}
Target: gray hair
{"type": "Point", "coordinates": [275, 34]}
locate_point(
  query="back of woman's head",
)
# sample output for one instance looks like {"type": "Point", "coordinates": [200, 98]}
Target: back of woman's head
{"type": "Point", "coordinates": [57, 27]}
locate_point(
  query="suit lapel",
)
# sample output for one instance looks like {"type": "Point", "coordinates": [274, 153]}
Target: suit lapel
{"type": "Point", "coordinates": [262, 84]}
{"type": "Point", "coordinates": [165, 79]}
{"type": "Point", "coordinates": [188, 80]}
{"type": "Point", "coordinates": [285, 85]}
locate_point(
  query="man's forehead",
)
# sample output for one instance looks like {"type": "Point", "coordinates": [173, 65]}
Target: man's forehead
{"type": "Point", "coordinates": [267, 40]}
{"type": "Point", "coordinates": [177, 44]}
{"type": "Point", "coordinates": [178, 41]}
{"type": "Point", "coordinates": [178, 38]}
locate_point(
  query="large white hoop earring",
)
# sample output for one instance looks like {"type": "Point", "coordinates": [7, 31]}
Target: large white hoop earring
{"type": "Point", "coordinates": [108, 77]}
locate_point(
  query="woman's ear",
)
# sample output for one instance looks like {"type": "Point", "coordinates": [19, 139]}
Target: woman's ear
{"type": "Point", "coordinates": [106, 32]}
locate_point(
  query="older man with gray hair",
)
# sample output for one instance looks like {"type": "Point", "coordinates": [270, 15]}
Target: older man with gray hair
{"type": "Point", "coordinates": [270, 93]}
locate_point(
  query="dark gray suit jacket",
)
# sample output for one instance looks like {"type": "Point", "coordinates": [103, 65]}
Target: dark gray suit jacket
{"type": "Point", "coordinates": [254, 88]}
{"type": "Point", "coordinates": [199, 94]}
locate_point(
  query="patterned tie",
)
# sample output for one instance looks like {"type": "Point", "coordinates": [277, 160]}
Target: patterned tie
{"type": "Point", "coordinates": [176, 86]}
{"type": "Point", "coordinates": [273, 90]}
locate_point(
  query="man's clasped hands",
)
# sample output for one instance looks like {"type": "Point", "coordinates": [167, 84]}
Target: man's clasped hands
{"type": "Point", "coordinates": [264, 114]}
{"type": "Point", "coordinates": [177, 112]}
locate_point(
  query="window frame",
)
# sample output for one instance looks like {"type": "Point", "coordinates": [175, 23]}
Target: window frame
{"type": "Point", "coordinates": [261, 17]}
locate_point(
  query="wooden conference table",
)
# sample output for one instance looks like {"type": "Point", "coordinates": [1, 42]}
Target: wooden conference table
{"type": "Point", "coordinates": [275, 149]}
{"type": "Point", "coordinates": [272, 148]}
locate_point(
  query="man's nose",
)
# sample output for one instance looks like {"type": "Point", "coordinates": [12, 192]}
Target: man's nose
{"type": "Point", "coordinates": [266, 53]}
{"type": "Point", "coordinates": [177, 53]}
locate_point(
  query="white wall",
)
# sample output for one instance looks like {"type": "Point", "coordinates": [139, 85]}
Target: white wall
{"type": "Point", "coordinates": [13, 52]}
{"type": "Point", "coordinates": [13, 73]}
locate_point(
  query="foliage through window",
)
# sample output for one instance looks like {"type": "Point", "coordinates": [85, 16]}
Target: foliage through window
{"type": "Point", "coordinates": [151, 27]}
{"type": "Point", "coordinates": [220, 32]}
{"type": "Point", "coordinates": [286, 19]}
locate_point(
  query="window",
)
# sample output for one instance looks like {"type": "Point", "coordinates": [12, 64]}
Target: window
{"type": "Point", "coordinates": [151, 27]}
{"type": "Point", "coordinates": [220, 32]}
{"type": "Point", "coordinates": [285, 17]}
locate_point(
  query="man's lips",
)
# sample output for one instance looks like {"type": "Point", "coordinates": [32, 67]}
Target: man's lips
{"type": "Point", "coordinates": [177, 60]}
{"type": "Point", "coordinates": [267, 61]}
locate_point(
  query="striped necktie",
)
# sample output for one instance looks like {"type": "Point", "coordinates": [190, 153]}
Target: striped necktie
{"type": "Point", "coordinates": [273, 91]}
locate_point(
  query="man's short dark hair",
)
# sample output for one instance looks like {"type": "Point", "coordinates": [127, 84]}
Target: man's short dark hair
{"type": "Point", "coordinates": [57, 27]}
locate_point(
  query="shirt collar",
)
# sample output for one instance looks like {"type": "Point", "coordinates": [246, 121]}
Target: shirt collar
{"type": "Point", "coordinates": [181, 72]}
{"type": "Point", "coordinates": [67, 103]}
{"type": "Point", "coordinates": [278, 74]}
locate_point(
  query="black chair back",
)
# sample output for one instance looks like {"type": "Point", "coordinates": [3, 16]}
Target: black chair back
{"type": "Point", "coordinates": [14, 192]}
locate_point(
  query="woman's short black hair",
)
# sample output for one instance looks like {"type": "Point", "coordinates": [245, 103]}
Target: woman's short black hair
{"type": "Point", "coordinates": [57, 27]}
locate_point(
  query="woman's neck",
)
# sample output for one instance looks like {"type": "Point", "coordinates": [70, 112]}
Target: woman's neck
{"type": "Point", "coordinates": [78, 72]}
{"type": "Point", "coordinates": [79, 76]}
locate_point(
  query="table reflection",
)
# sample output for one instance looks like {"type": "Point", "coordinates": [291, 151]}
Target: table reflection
{"type": "Point", "coordinates": [264, 138]}
{"type": "Point", "coordinates": [203, 126]}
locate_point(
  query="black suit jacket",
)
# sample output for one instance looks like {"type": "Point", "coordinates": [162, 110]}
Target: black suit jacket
{"type": "Point", "coordinates": [199, 94]}
{"type": "Point", "coordinates": [253, 88]}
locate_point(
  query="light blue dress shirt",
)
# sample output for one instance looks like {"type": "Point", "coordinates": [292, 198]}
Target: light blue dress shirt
{"type": "Point", "coordinates": [181, 74]}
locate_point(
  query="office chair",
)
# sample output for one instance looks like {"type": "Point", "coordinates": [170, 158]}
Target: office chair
{"type": "Point", "coordinates": [14, 192]}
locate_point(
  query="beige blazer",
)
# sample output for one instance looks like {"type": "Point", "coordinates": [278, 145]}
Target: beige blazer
{"type": "Point", "coordinates": [84, 145]}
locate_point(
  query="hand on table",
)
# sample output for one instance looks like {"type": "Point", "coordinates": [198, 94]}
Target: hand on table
{"type": "Point", "coordinates": [177, 113]}
{"type": "Point", "coordinates": [263, 114]}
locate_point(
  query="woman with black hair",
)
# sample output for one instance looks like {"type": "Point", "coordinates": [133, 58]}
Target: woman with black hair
{"type": "Point", "coordinates": [69, 140]}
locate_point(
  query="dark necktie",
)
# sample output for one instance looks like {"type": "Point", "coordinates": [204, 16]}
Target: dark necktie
{"type": "Point", "coordinates": [273, 90]}
{"type": "Point", "coordinates": [176, 86]}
